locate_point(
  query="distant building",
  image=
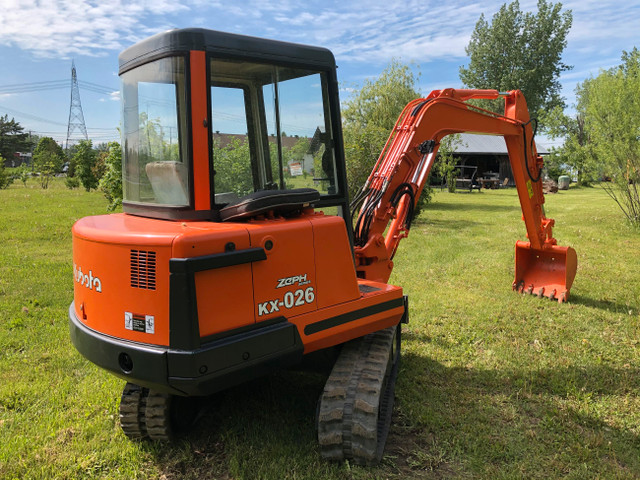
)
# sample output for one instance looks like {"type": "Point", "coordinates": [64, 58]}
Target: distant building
{"type": "Point", "coordinates": [489, 154]}
{"type": "Point", "coordinates": [18, 159]}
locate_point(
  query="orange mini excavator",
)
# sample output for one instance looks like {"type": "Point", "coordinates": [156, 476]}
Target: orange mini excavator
{"type": "Point", "coordinates": [236, 252]}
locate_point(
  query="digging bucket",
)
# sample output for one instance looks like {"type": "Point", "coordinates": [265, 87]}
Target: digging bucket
{"type": "Point", "coordinates": [547, 272]}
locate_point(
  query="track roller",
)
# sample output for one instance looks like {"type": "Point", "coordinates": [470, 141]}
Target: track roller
{"type": "Point", "coordinates": [355, 408]}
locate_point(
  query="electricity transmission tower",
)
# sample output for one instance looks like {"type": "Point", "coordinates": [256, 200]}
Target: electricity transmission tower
{"type": "Point", "coordinates": [76, 117]}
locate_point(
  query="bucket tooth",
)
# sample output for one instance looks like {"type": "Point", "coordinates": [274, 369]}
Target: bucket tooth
{"type": "Point", "coordinates": [547, 272]}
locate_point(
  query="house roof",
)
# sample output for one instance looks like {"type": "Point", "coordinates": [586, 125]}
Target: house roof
{"type": "Point", "coordinates": [486, 144]}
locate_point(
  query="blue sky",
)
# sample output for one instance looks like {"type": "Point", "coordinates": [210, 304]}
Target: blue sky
{"type": "Point", "coordinates": [39, 39]}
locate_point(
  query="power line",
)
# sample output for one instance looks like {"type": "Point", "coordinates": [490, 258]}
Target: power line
{"type": "Point", "coordinates": [31, 117]}
{"type": "Point", "coordinates": [55, 85]}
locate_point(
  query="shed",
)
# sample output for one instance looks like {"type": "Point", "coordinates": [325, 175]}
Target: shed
{"type": "Point", "coordinates": [489, 154]}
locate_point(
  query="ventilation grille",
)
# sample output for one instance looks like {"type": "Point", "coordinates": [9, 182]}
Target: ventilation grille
{"type": "Point", "coordinates": [143, 269]}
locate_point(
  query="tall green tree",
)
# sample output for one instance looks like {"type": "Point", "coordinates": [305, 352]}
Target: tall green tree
{"type": "Point", "coordinates": [111, 181]}
{"type": "Point", "coordinates": [5, 178]}
{"type": "Point", "coordinates": [576, 153]}
{"type": "Point", "coordinates": [49, 145]}
{"type": "Point", "coordinates": [523, 51]}
{"type": "Point", "coordinates": [610, 104]}
{"type": "Point", "coordinates": [48, 158]}
{"type": "Point", "coordinates": [12, 138]}
{"type": "Point", "coordinates": [369, 116]}
{"type": "Point", "coordinates": [85, 161]}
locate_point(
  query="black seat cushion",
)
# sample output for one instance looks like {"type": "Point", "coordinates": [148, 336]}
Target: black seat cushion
{"type": "Point", "coordinates": [280, 201]}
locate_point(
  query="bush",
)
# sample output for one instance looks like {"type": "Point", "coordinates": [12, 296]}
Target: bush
{"type": "Point", "coordinates": [72, 182]}
{"type": "Point", "coordinates": [5, 178]}
{"type": "Point", "coordinates": [23, 174]}
{"type": "Point", "coordinates": [111, 181]}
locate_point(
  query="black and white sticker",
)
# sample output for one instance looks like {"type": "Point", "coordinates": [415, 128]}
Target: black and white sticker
{"type": "Point", "coordinates": [139, 323]}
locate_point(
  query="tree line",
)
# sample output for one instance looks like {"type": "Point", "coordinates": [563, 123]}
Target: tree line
{"type": "Point", "coordinates": [86, 165]}
{"type": "Point", "coordinates": [521, 50]}
{"type": "Point", "coordinates": [512, 50]}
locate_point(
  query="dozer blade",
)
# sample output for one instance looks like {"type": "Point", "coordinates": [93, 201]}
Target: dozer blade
{"type": "Point", "coordinates": [548, 272]}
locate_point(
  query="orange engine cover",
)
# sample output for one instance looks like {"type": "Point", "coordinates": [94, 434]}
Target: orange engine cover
{"type": "Point", "coordinates": [122, 272]}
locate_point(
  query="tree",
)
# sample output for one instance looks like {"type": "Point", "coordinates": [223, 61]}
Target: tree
{"type": "Point", "coordinates": [233, 168]}
{"type": "Point", "coordinates": [576, 152]}
{"type": "Point", "coordinates": [85, 161]}
{"type": "Point", "coordinates": [46, 165]}
{"type": "Point", "coordinates": [12, 138]}
{"type": "Point", "coordinates": [111, 181]}
{"type": "Point", "coordinates": [611, 107]}
{"type": "Point", "coordinates": [5, 178]}
{"type": "Point", "coordinates": [24, 172]}
{"type": "Point", "coordinates": [444, 165]}
{"type": "Point", "coordinates": [49, 145]}
{"type": "Point", "coordinates": [48, 158]}
{"type": "Point", "coordinates": [521, 51]}
{"type": "Point", "coordinates": [369, 116]}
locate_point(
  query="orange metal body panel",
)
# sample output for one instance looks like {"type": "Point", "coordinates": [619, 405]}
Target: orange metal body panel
{"type": "Point", "coordinates": [224, 296]}
{"type": "Point", "coordinates": [102, 248]}
{"type": "Point", "coordinates": [290, 257]}
{"type": "Point", "coordinates": [201, 176]}
{"type": "Point", "coordinates": [307, 277]}
{"type": "Point", "coordinates": [335, 270]}
{"type": "Point", "coordinates": [353, 329]}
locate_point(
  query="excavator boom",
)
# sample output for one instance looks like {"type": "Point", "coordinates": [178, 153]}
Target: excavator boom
{"type": "Point", "coordinates": [392, 190]}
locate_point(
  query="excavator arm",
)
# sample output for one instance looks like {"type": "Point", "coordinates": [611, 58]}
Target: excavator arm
{"type": "Point", "coordinates": [388, 197]}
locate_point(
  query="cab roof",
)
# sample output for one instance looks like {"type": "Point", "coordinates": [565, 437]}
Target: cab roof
{"type": "Point", "coordinates": [224, 45]}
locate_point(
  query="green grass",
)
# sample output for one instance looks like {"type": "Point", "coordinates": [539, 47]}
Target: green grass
{"type": "Point", "coordinates": [493, 384]}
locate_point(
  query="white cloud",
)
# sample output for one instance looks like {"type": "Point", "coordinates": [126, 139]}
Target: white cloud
{"type": "Point", "coordinates": [61, 28]}
{"type": "Point", "coordinates": [358, 31]}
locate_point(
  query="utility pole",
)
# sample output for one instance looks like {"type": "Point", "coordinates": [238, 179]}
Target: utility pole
{"type": "Point", "coordinates": [76, 117]}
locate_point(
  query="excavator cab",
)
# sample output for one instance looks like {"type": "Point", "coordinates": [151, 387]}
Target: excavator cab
{"type": "Point", "coordinates": [234, 117]}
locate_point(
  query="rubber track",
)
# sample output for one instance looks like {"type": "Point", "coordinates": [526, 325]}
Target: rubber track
{"type": "Point", "coordinates": [132, 411]}
{"type": "Point", "coordinates": [357, 402]}
{"type": "Point", "coordinates": [158, 416]}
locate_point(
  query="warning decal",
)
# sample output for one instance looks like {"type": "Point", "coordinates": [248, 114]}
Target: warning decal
{"type": "Point", "coordinates": [139, 323]}
{"type": "Point", "coordinates": [530, 188]}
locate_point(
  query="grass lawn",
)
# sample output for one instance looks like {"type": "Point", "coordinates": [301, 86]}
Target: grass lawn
{"type": "Point", "coordinates": [493, 384]}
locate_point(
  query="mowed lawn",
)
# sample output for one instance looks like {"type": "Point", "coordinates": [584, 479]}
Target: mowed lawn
{"type": "Point", "coordinates": [493, 384]}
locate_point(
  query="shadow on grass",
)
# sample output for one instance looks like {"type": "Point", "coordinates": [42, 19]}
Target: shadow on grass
{"type": "Point", "coordinates": [484, 207]}
{"type": "Point", "coordinates": [260, 429]}
{"type": "Point", "coordinates": [607, 305]}
{"type": "Point", "coordinates": [448, 421]}
{"type": "Point", "coordinates": [424, 220]}
{"type": "Point", "coordinates": [515, 422]}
